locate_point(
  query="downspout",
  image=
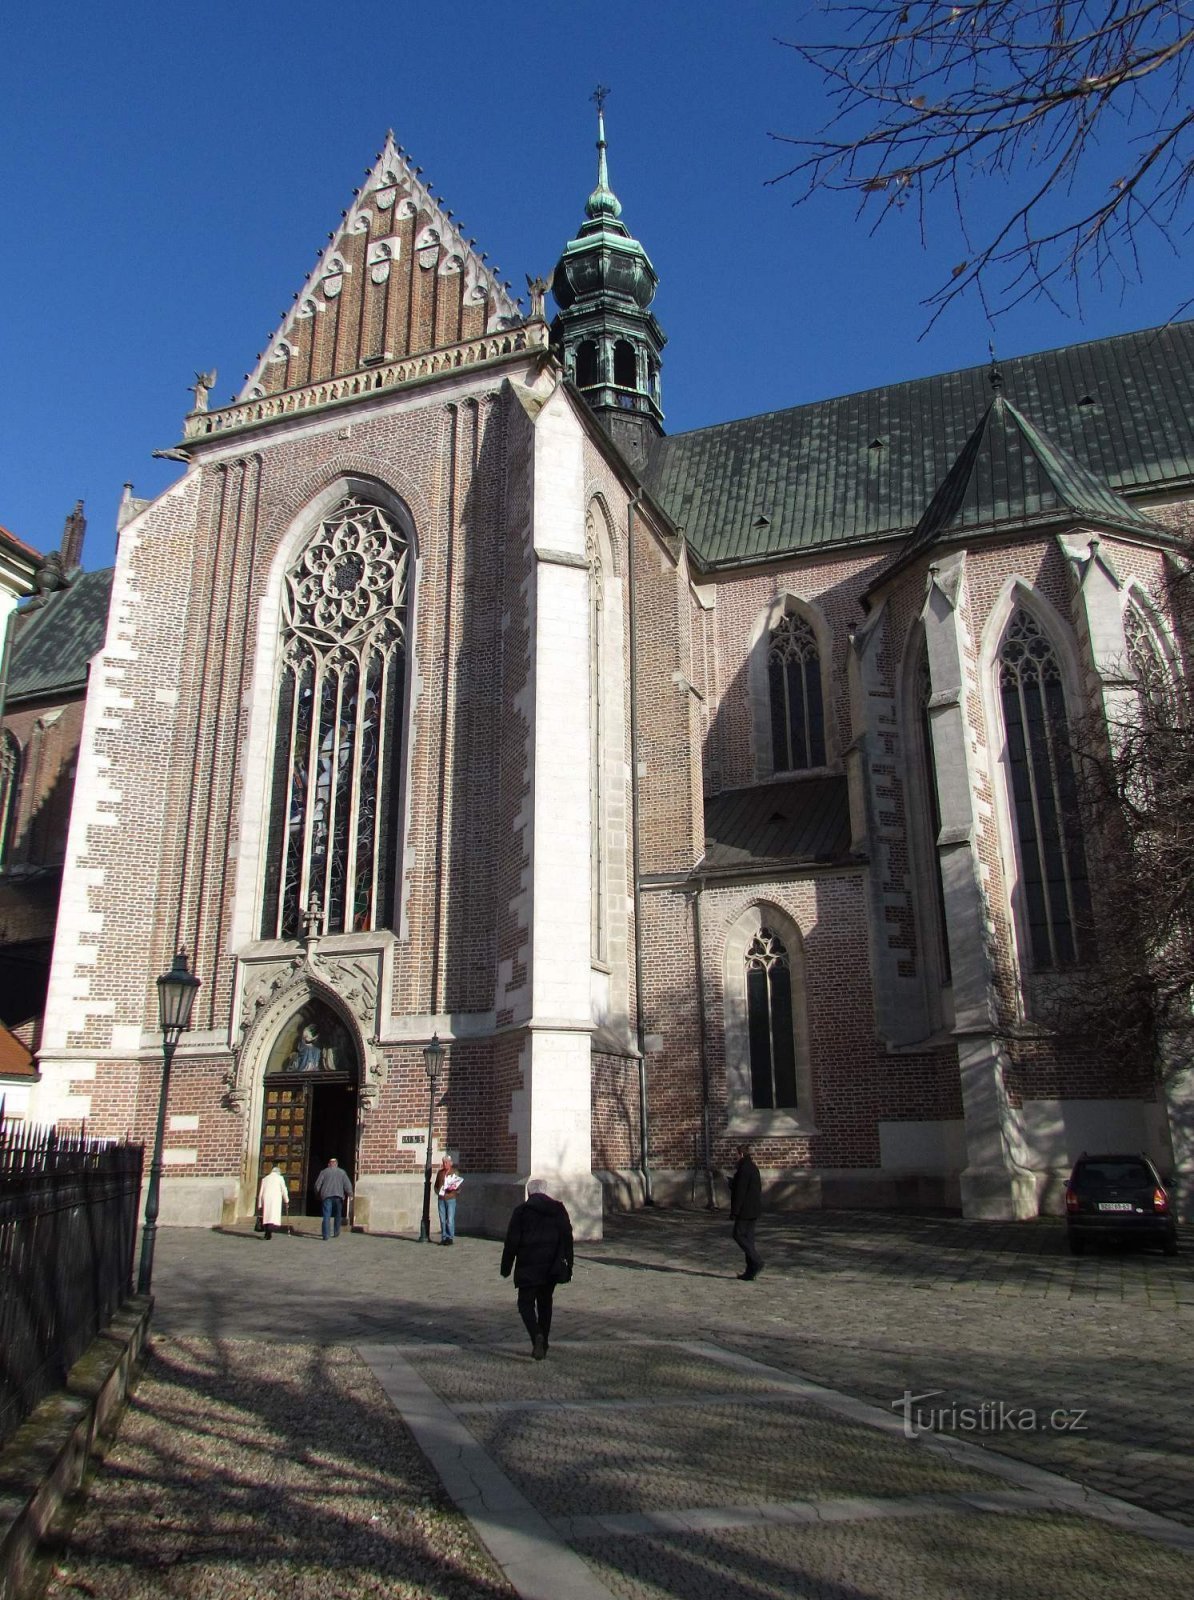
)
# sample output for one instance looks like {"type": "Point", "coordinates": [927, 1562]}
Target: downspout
{"type": "Point", "coordinates": [640, 1025]}
{"type": "Point", "coordinates": [703, 1056]}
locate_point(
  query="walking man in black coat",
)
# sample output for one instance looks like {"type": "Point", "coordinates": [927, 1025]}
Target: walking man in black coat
{"type": "Point", "coordinates": [746, 1207]}
{"type": "Point", "coordinates": [539, 1249]}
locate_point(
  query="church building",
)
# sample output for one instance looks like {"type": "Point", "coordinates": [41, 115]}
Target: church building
{"type": "Point", "coordinates": [688, 791]}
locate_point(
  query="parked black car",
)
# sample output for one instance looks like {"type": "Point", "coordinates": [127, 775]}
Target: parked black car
{"type": "Point", "coordinates": [1118, 1196]}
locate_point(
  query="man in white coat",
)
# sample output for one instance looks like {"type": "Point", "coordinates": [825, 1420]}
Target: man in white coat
{"type": "Point", "coordinates": [272, 1199]}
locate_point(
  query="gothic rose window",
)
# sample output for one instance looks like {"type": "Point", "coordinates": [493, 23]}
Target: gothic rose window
{"type": "Point", "coordinates": [797, 709]}
{"type": "Point", "coordinates": [1048, 835]}
{"type": "Point", "coordinates": [769, 1020]}
{"type": "Point", "coordinates": [338, 738]}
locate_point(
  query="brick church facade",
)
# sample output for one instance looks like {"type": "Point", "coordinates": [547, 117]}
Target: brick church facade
{"type": "Point", "coordinates": [689, 790]}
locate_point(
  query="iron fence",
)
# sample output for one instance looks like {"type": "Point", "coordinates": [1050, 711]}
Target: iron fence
{"type": "Point", "coordinates": [68, 1227]}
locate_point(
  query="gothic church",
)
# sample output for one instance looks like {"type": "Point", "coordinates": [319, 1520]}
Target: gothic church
{"type": "Point", "coordinates": [689, 790]}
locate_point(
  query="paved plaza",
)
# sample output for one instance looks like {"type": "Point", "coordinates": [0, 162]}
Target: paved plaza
{"type": "Point", "coordinates": [897, 1406]}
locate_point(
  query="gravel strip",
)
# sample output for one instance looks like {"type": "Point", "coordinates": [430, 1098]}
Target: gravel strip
{"type": "Point", "coordinates": [244, 1468]}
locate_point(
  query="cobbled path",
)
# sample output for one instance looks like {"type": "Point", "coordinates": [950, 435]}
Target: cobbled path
{"type": "Point", "coordinates": [692, 1436]}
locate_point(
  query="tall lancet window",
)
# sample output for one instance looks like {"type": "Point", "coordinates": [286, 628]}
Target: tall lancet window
{"type": "Point", "coordinates": [769, 1018]}
{"type": "Point", "coordinates": [797, 707]}
{"type": "Point", "coordinates": [1052, 861]}
{"type": "Point", "coordinates": [338, 740]}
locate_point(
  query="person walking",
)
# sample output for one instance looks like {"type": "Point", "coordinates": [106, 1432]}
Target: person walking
{"type": "Point", "coordinates": [447, 1182]}
{"type": "Point", "coordinates": [539, 1250]}
{"type": "Point", "coordinates": [272, 1199]}
{"type": "Point", "coordinates": [334, 1189]}
{"type": "Point", "coordinates": [746, 1207]}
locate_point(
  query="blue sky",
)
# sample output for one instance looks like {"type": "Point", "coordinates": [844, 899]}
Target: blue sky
{"type": "Point", "coordinates": [169, 173]}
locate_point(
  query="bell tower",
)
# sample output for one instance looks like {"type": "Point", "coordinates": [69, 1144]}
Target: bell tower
{"type": "Point", "coordinates": [604, 333]}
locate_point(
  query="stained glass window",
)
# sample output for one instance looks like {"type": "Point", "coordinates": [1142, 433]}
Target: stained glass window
{"type": "Point", "coordinates": [797, 709]}
{"type": "Point", "coordinates": [1052, 860]}
{"type": "Point", "coordinates": [338, 738]}
{"type": "Point", "coordinates": [769, 1018]}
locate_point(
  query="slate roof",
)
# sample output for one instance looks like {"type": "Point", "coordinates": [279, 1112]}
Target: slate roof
{"type": "Point", "coordinates": [1006, 449]}
{"type": "Point", "coordinates": [866, 466]}
{"type": "Point", "coordinates": [57, 636]}
{"type": "Point", "coordinates": [802, 819]}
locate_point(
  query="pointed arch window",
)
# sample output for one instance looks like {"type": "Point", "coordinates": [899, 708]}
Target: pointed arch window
{"type": "Point", "coordinates": [338, 730]}
{"type": "Point", "coordinates": [769, 1022]}
{"type": "Point", "coordinates": [1147, 660]}
{"type": "Point", "coordinates": [797, 704]}
{"type": "Point", "coordinates": [10, 784]}
{"type": "Point", "coordinates": [1044, 794]}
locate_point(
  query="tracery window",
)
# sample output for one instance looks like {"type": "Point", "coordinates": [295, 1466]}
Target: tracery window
{"type": "Point", "coordinates": [10, 783]}
{"type": "Point", "coordinates": [1052, 860]}
{"type": "Point", "coordinates": [1147, 661]}
{"type": "Point", "coordinates": [797, 707]}
{"type": "Point", "coordinates": [338, 731]}
{"type": "Point", "coordinates": [769, 1020]}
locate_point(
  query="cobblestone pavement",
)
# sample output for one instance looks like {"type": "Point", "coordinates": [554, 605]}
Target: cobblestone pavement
{"type": "Point", "coordinates": [1027, 1358]}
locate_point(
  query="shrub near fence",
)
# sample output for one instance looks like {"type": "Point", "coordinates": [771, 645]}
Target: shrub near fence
{"type": "Point", "coordinates": [68, 1228]}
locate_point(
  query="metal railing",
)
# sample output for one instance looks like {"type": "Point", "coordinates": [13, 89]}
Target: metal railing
{"type": "Point", "coordinates": [68, 1226]}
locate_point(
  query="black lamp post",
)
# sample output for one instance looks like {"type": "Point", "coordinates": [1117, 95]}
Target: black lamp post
{"type": "Point", "coordinates": [176, 995]}
{"type": "Point", "coordinates": [433, 1060]}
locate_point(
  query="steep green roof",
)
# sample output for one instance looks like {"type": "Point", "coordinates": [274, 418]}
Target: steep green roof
{"type": "Point", "coordinates": [1006, 450]}
{"type": "Point", "coordinates": [866, 466]}
{"type": "Point", "coordinates": [56, 637]}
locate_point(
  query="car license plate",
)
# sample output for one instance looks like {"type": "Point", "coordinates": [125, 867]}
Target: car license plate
{"type": "Point", "coordinates": [1116, 1205]}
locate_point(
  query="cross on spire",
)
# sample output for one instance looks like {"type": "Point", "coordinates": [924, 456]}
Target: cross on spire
{"type": "Point", "coordinates": [599, 96]}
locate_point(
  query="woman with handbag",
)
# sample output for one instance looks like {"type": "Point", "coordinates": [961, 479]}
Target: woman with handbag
{"type": "Point", "coordinates": [272, 1197]}
{"type": "Point", "coordinates": [539, 1250]}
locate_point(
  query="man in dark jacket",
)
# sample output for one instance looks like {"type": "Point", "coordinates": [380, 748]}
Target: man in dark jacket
{"type": "Point", "coordinates": [539, 1249]}
{"type": "Point", "coordinates": [746, 1207]}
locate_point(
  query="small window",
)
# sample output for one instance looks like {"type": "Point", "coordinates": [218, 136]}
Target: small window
{"type": "Point", "coordinates": [625, 365]}
{"type": "Point", "coordinates": [797, 707]}
{"type": "Point", "coordinates": [769, 1019]}
{"type": "Point", "coordinates": [10, 784]}
{"type": "Point", "coordinates": [588, 372]}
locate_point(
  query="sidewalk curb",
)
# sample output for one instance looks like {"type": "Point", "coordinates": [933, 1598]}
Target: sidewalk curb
{"type": "Point", "coordinates": [46, 1458]}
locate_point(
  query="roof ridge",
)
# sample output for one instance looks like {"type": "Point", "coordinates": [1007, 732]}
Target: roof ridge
{"type": "Point", "coordinates": [929, 377]}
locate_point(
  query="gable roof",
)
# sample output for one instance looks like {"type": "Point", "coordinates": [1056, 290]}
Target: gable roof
{"type": "Point", "coordinates": [397, 278]}
{"type": "Point", "coordinates": [56, 636]}
{"type": "Point", "coordinates": [1009, 470]}
{"type": "Point", "coordinates": [866, 466]}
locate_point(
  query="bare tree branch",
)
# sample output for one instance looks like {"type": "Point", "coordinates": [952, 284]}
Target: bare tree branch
{"type": "Point", "coordinates": [933, 101]}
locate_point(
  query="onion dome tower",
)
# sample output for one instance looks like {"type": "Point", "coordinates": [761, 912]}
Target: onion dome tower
{"type": "Point", "coordinates": [604, 333]}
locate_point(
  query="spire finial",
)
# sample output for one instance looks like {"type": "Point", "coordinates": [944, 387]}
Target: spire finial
{"type": "Point", "coordinates": [995, 376]}
{"type": "Point", "coordinates": [603, 201]}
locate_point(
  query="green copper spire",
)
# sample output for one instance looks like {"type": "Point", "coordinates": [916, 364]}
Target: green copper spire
{"type": "Point", "coordinates": [603, 202]}
{"type": "Point", "coordinates": [604, 333]}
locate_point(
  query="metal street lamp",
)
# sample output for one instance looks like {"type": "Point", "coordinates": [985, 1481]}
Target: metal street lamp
{"type": "Point", "coordinates": [176, 995]}
{"type": "Point", "coordinates": [433, 1060]}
